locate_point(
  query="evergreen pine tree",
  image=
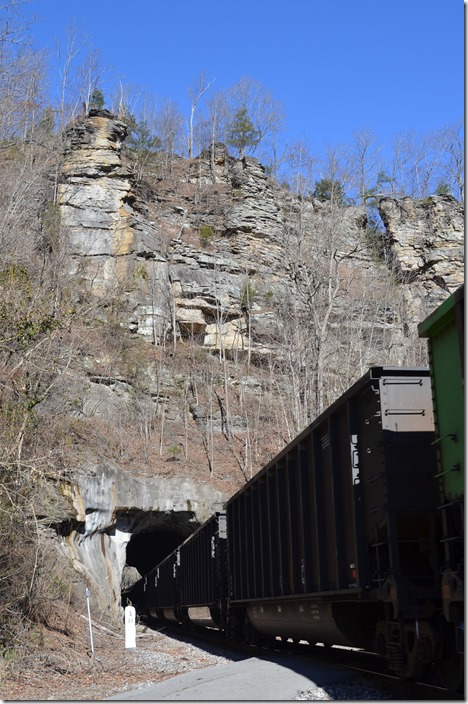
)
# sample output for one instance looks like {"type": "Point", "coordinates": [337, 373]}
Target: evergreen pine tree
{"type": "Point", "coordinates": [328, 189]}
{"type": "Point", "coordinates": [242, 133]}
{"type": "Point", "coordinates": [97, 99]}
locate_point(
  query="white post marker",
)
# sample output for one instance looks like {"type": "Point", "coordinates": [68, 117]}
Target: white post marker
{"type": "Point", "coordinates": [130, 628]}
{"type": "Point", "coordinates": [88, 594]}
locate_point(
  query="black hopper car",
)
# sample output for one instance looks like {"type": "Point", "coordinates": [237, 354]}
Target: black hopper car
{"type": "Point", "coordinates": [189, 585]}
{"type": "Point", "coordinates": [340, 539]}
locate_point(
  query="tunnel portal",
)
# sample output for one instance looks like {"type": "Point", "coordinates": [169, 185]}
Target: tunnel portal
{"type": "Point", "coordinates": [155, 535]}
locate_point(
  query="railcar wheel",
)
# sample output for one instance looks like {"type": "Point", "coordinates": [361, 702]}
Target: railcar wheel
{"type": "Point", "coordinates": [451, 672]}
{"type": "Point", "coordinates": [256, 638]}
{"type": "Point", "coordinates": [246, 633]}
{"type": "Point", "coordinates": [250, 635]}
{"type": "Point", "coordinates": [268, 642]}
{"type": "Point", "coordinates": [233, 630]}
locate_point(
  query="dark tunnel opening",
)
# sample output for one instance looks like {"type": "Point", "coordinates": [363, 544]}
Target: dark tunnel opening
{"type": "Point", "coordinates": [146, 550]}
{"type": "Point", "coordinates": [155, 535]}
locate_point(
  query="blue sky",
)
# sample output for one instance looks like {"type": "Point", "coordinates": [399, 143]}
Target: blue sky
{"type": "Point", "coordinates": [336, 66]}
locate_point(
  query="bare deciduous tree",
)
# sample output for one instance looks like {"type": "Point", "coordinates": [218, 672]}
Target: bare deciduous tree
{"type": "Point", "coordinates": [301, 165]}
{"type": "Point", "coordinates": [364, 163]}
{"type": "Point", "coordinates": [68, 105]}
{"type": "Point", "coordinates": [453, 163]}
{"type": "Point", "coordinates": [90, 75]}
{"type": "Point", "coordinates": [170, 130]}
{"type": "Point", "coordinates": [196, 93]}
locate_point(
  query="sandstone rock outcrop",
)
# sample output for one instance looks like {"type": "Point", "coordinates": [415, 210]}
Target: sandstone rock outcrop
{"type": "Point", "coordinates": [111, 244]}
{"type": "Point", "coordinates": [258, 213]}
{"type": "Point", "coordinates": [425, 243]}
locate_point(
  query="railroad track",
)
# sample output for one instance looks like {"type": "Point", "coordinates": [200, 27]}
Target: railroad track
{"type": "Point", "coordinates": [375, 666]}
{"type": "Point", "coordinates": [366, 664]}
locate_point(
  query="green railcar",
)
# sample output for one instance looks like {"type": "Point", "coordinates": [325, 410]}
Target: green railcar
{"type": "Point", "coordinates": [444, 329]}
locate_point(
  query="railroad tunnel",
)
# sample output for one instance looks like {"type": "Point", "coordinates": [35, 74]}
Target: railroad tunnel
{"type": "Point", "coordinates": [114, 527]}
{"type": "Point", "coordinates": [154, 535]}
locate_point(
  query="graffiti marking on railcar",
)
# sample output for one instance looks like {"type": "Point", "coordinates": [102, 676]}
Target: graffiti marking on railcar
{"type": "Point", "coordinates": [355, 459]}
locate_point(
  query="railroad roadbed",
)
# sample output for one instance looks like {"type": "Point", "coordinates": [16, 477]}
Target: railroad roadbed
{"type": "Point", "coordinates": [267, 678]}
{"type": "Point", "coordinates": [283, 674]}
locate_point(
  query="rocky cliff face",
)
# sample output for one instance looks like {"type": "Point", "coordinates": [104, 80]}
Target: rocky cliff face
{"type": "Point", "coordinates": [223, 272]}
{"type": "Point", "coordinates": [169, 277]}
{"type": "Point", "coordinates": [107, 235]}
{"type": "Point", "coordinates": [425, 243]}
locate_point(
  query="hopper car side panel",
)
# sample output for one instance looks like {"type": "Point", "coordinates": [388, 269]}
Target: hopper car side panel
{"type": "Point", "coordinates": [335, 512]}
{"type": "Point", "coordinates": [201, 573]}
{"type": "Point", "coordinates": [159, 589]}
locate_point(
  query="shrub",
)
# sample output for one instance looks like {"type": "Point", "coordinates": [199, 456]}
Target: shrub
{"type": "Point", "coordinates": [206, 235]}
{"type": "Point", "coordinates": [174, 452]}
{"type": "Point", "coordinates": [248, 296]}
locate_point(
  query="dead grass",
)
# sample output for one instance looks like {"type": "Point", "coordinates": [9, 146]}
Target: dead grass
{"type": "Point", "coordinates": [62, 667]}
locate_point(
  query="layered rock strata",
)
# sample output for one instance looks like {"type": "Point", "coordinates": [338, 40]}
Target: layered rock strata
{"type": "Point", "coordinates": [425, 245]}
{"type": "Point", "coordinates": [112, 247]}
